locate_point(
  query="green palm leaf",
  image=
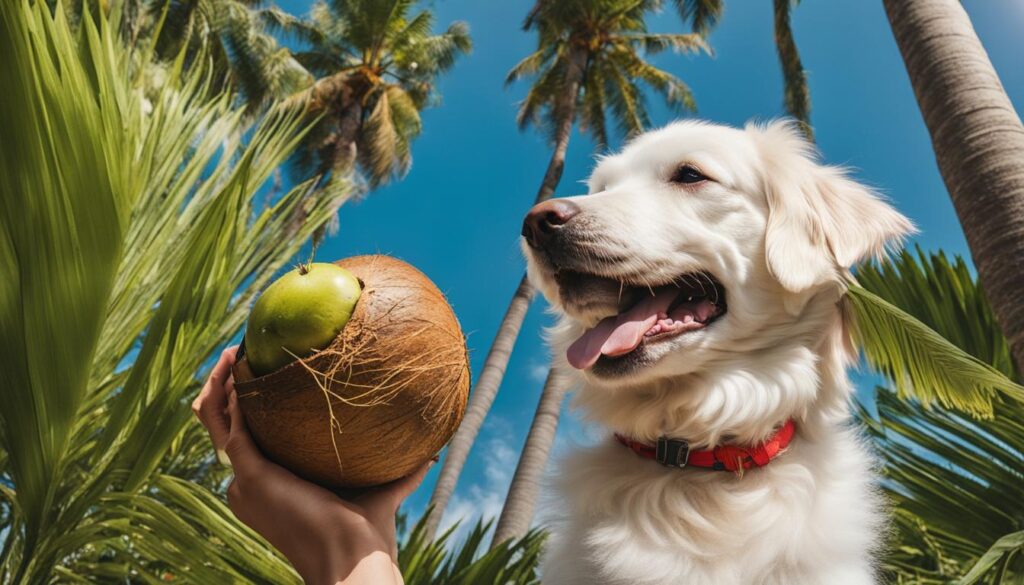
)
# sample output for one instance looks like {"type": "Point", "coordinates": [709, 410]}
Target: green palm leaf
{"type": "Point", "coordinates": [954, 480]}
{"type": "Point", "coordinates": [613, 34]}
{"type": "Point", "coordinates": [926, 325]}
{"type": "Point", "coordinates": [1002, 552]}
{"type": "Point", "coordinates": [439, 562]}
{"type": "Point", "coordinates": [133, 249]}
{"type": "Point", "coordinates": [921, 363]}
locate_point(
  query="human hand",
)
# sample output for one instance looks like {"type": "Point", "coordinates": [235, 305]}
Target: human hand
{"type": "Point", "coordinates": [327, 539]}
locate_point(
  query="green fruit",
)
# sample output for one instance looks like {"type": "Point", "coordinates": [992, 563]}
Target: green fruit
{"type": "Point", "coordinates": [299, 314]}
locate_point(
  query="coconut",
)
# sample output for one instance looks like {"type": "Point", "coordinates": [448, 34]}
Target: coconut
{"type": "Point", "coordinates": [384, 397]}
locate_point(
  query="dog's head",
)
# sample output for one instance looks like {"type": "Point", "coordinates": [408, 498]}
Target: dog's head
{"type": "Point", "coordinates": [697, 244]}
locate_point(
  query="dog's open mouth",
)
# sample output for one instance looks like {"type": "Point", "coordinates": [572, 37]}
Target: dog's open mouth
{"type": "Point", "coordinates": [645, 315]}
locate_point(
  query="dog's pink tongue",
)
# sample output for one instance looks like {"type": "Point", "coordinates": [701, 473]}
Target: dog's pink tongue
{"type": "Point", "coordinates": [621, 334]}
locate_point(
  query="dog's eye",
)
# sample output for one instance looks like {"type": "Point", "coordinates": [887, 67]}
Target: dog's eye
{"type": "Point", "coordinates": [687, 175]}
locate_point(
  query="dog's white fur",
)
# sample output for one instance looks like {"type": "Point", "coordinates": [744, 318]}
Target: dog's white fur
{"type": "Point", "coordinates": [780, 231]}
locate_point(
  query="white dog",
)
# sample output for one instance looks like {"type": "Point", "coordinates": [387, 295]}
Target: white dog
{"type": "Point", "coordinates": [700, 286]}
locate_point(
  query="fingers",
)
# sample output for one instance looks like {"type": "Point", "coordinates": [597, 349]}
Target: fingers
{"type": "Point", "coordinates": [212, 400]}
{"type": "Point", "coordinates": [246, 458]}
{"type": "Point", "coordinates": [396, 492]}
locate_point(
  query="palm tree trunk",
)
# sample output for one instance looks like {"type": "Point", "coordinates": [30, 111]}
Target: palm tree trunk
{"type": "Point", "coordinates": [517, 513]}
{"type": "Point", "coordinates": [479, 404]}
{"type": "Point", "coordinates": [333, 94]}
{"type": "Point", "coordinates": [798, 99]}
{"type": "Point", "coordinates": [979, 145]}
{"type": "Point", "coordinates": [487, 385]}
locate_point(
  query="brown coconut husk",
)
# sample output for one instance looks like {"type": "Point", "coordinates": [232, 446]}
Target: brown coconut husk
{"type": "Point", "coordinates": [381, 400]}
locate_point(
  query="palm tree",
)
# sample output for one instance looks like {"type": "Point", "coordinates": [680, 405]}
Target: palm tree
{"type": "Point", "coordinates": [978, 140]}
{"type": "Point", "coordinates": [588, 63]}
{"type": "Point", "coordinates": [376, 66]}
{"type": "Point", "coordinates": [131, 252]}
{"type": "Point", "coordinates": [703, 15]}
{"type": "Point", "coordinates": [231, 34]}
{"type": "Point", "coordinates": [953, 477]}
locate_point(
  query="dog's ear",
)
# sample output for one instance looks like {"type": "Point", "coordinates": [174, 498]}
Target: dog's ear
{"type": "Point", "coordinates": [820, 223]}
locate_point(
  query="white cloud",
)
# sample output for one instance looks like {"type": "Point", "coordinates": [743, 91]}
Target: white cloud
{"type": "Point", "coordinates": [538, 371]}
{"type": "Point", "coordinates": [497, 457]}
{"type": "Point", "coordinates": [484, 499]}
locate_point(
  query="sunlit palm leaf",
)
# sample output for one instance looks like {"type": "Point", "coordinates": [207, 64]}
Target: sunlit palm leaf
{"type": "Point", "coordinates": [438, 562]}
{"type": "Point", "coordinates": [63, 215]}
{"type": "Point", "coordinates": [678, 43]}
{"type": "Point", "coordinates": [955, 480]}
{"type": "Point", "coordinates": [942, 294]}
{"type": "Point", "coordinates": [920, 362]}
{"type": "Point", "coordinates": [1001, 553]}
{"type": "Point", "coordinates": [133, 248]}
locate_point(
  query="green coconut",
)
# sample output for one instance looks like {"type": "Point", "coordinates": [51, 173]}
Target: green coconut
{"type": "Point", "coordinates": [299, 314]}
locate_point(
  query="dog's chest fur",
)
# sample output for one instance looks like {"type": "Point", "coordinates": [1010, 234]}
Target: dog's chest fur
{"type": "Point", "coordinates": [809, 517]}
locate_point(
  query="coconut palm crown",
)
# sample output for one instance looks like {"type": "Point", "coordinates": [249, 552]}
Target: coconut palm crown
{"type": "Point", "coordinates": [600, 44]}
{"type": "Point", "coordinates": [376, 65]}
{"type": "Point", "coordinates": [703, 16]}
{"type": "Point", "coordinates": [231, 34]}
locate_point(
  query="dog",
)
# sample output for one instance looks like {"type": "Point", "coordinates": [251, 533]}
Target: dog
{"type": "Point", "coordinates": [699, 288]}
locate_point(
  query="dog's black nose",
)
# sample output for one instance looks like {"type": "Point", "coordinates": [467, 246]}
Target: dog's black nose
{"type": "Point", "coordinates": [545, 219]}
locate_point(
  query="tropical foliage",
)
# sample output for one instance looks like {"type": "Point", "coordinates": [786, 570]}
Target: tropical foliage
{"type": "Point", "coordinates": [600, 44]}
{"type": "Point", "coordinates": [377, 63]}
{"type": "Point", "coordinates": [428, 561]}
{"type": "Point", "coordinates": [703, 16]}
{"type": "Point", "coordinates": [128, 221]}
{"type": "Point", "coordinates": [231, 35]}
{"type": "Point", "coordinates": [130, 174]}
{"type": "Point", "coordinates": [955, 480]}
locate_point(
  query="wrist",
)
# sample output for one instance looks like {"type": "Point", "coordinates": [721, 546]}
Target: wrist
{"type": "Point", "coordinates": [372, 568]}
{"type": "Point", "coordinates": [350, 552]}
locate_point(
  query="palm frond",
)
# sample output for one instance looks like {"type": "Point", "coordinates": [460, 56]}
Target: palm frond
{"type": "Point", "coordinates": [944, 295]}
{"type": "Point", "coordinates": [529, 65]}
{"type": "Point", "coordinates": [437, 562]}
{"type": "Point", "coordinates": [67, 194]}
{"type": "Point", "coordinates": [592, 114]}
{"type": "Point", "coordinates": [625, 99]}
{"type": "Point", "coordinates": [140, 248]}
{"type": "Point", "coordinates": [431, 55]}
{"type": "Point", "coordinates": [677, 43]}
{"type": "Point", "coordinates": [1002, 553]}
{"type": "Point", "coordinates": [301, 30]}
{"type": "Point", "coordinates": [953, 480]}
{"type": "Point", "coordinates": [379, 140]}
{"type": "Point", "coordinates": [703, 15]}
{"type": "Point", "coordinates": [921, 363]}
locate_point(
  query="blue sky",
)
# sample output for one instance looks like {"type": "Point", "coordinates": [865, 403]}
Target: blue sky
{"type": "Point", "coordinates": [457, 214]}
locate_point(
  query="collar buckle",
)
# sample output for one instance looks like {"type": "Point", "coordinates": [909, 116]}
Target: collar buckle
{"type": "Point", "coordinates": [672, 452]}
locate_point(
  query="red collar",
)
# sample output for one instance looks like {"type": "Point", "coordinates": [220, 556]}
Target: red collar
{"type": "Point", "coordinates": [677, 453]}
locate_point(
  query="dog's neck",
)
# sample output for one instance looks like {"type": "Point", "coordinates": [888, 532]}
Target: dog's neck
{"type": "Point", "coordinates": [739, 401]}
